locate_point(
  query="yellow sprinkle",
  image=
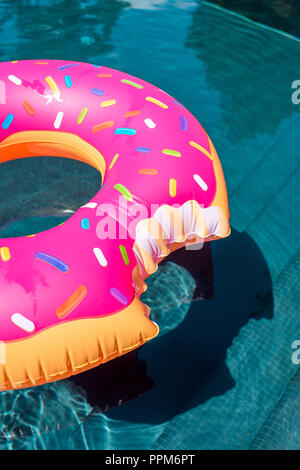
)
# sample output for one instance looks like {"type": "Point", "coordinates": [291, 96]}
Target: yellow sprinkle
{"type": "Point", "coordinates": [82, 115]}
{"type": "Point", "coordinates": [14, 61]}
{"type": "Point", "coordinates": [53, 86]}
{"type": "Point", "coordinates": [172, 187]}
{"type": "Point", "coordinates": [159, 103]}
{"type": "Point", "coordinates": [5, 253]}
{"type": "Point", "coordinates": [173, 153]}
{"type": "Point", "coordinates": [29, 236]}
{"type": "Point", "coordinates": [113, 161]}
{"type": "Point", "coordinates": [199, 147]}
{"type": "Point", "coordinates": [107, 103]}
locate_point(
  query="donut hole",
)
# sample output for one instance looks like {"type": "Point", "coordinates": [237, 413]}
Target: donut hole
{"type": "Point", "coordinates": [41, 192]}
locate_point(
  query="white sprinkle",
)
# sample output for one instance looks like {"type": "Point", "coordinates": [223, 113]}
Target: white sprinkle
{"type": "Point", "coordinates": [58, 119]}
{"type": "Point", "coordinates": [200, 181]}
{"type": "Point", "coordinates": [23, 322]}
{"type": "Point", "coordinates": [15, 80]}
{"type": "Point", "coordinates": [90, 205]}
{"type": "Point", "coordinates": [100, 256]}
{"type": "Point", "coordinates": [149, 123]}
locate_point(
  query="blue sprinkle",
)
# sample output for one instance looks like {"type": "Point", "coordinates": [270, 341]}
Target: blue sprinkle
{"type": "Point", "coordinates": [125, 130]}
{"type": "Point", "coordinates": [143, 149]}
{"type": "Point", "coordinates": [97, 66]}
{"type": "Point", "coordinates": [183, 123]}
{"type": "Point", "coordinates": [63, 67]}
{"type": "Point", "coordinates": [85, 223]}
{"type": "Point", "coordinates": [98, 92]}
{"type": "Point", "coordinates": [57, 263]}
{"type": "Point", "coordinates": [177, 102]}
{"type": "Point", "coordinates": [68, 81]}
{"type": "Point", "coordinates": [7, 121]}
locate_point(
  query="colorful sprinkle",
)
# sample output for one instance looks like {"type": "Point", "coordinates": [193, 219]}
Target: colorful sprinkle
{"type": "Point", "coordinates": [100, 256]}
{"type": "Point", "coordinates": [173, 153]}
{"type": "Point", "coordinates": [177, 102]}
{"type": "Point", "coordinates": [28, 108]}
{"type": "Point", "coordinates": [132, 113]}
{"type": "Point", "coordinates": [118, 295]}
{"type": "Point", "coordinates": [72, 302]}
{"type": "Point", "coordinates": [2, 92]}
{"type": "Point", "coordinates": [15, 80]}
{"type": "Point", "coordinates": [143, 149]}
{"type": "Point", "coordinates": [22, 322]}
{"type": "Point", "coordinates": [183, 123]}
{"type": "Point", "coordinates": [125, 130]}
{"type": "Point", "coordinates": [172, 187]}
{"type": "Point", "coordinates": [129, 82]}
{"type": "Point", "coordinates": [97, 91]}
{"type": "Point", "coordinates": [63, 67]}
{"type": "Point", "coordinates": [57, 263]}
{"type": "Point", "coordinates": [148, 171]}
{"type": "Point", "coordinates": [68, 81]}
{"type": "Point", "coordinates": [107, 103]}
{"type": "Point", "coordinates": [41, 63]}
{"type": "Point", "coordinates": [200, 181]}
{"type": "Point", "coordinates": [82, 115]}
{"type": "Point", "coordinates": [85, 223]}
{"type": "Point", "coordinates": [113, 161]}
{"type": "Point", "coordinates": [124, 254]}
{"type": "Point", "coordinates": [157, 102]}
{"type": "Point", "coordinates": [104, 75]}
{"type": "Point", "coordinates": [52, 84]}
{"type": "Point", "coordinates": [149, 123]}
{"type": "Point", "coordinates": [199, 147]}
{"type": "Point", "coordinates": [102, 125]}
{"type": "Point", "coordinates": [5, 253]}
{"type": "Point", "coordinates": [7, 121]}
{"type": "Point", "coordinates": [124, 191]}
{"type": "Point", "coordinates": [58, 119]}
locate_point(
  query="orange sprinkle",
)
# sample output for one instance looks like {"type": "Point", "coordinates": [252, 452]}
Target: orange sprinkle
{"type": "Point", "coordinates": [41, 63]}
{"type": "Point", "coordinates": [148, 171]}
{"type": "Point", "coordinates": [102, 125]}
{"type": "Point", "coordinates": [72, 302]}
{"type": "Point", "coordinates": [104, 75]}
{"type": "Point", "coordinates": [28, 108]}
{"type": "Point", "coordinates": [132, 113]}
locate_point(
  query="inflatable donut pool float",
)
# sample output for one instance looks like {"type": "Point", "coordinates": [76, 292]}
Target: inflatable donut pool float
{"type": "Point", "coordinates": [70, 295]}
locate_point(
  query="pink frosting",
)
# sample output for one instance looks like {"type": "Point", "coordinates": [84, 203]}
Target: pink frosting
{"type": "Point", "coordinates": [45, 270]}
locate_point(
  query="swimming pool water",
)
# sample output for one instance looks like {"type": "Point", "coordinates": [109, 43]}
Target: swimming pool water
{"type": "Point", "coordinates": [220, 374]}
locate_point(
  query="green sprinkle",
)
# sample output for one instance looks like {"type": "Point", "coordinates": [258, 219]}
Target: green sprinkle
{"type": "Point", "coordinates": [174, 153]}
{"type": "Point", "coordinates": [124, 191]}
{"type": "Point", "coordinates": [124, 254]}
{"type": "Point", "coordinates": [82, 115]}
{"type": "Point", "coordinates": [129, 82]}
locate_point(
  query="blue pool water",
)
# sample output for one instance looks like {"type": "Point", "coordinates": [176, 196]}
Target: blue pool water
{"type": "Point", "coordinates": [220, 374]}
